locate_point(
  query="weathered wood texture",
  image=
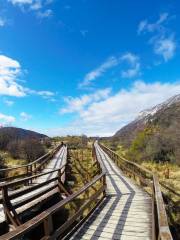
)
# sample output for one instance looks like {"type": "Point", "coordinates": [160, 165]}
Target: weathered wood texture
{"type": "Point", "coordinates": [30, 168]}
{"type": "Point", "coordinates": [46, 217]}
{"type": "Point", "coordinates": [160, 226]}
{"type": "Point", "coordinates": [122, 210]}
{"type": "Point", "coordinates": [40, 187]}
{"type": "Point", "coordinates": [126, 212]}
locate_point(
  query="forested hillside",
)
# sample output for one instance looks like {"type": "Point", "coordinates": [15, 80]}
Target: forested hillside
{"type": "Point", "coordinates": [18, 146]}
{"type": "Point", "coordinates": [155, 134]}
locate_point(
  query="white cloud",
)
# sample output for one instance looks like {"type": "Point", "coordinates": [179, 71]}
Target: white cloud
{"type": "Point", "coordinates": [6, 119]}
{"type": "Point", "coordinates": [25, 116]}
{"type": "Point", "coordinates": [79, 103]}
{"type": "Point", "coordinates": [10, 70]}
{"type": "Point", "coordinates": [134, 62]}
{"type": "Point", "coordinates": [165, 47]}
{"type": "Point", "coordinates": [98, 72]}
{"type": "Point", "coordinates": [106, 116]}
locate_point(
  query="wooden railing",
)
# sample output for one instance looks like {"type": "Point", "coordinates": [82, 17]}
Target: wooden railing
{"type": "Point", "coordinates": [28, 169]}
{"type": "Point", "coordinates": [7, 198]}
{"type": "Point", "coordinates": [82, 208]}
{"type": "Point", "coordinates": [148, 179]}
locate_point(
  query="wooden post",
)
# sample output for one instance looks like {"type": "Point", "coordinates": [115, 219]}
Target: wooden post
{"type": "Point", "coordinates": [27, 172]}
{"type": "Point", "coordinates": [104, 184]}
{"type": "Point", "coordinates": [8, 208]}
{"type": "Point", "coordinates": [30, 167]}
{"type": "Point", "coordinates": [35, 168]}
{"type": "Point", "coordinates": [59, 180]}
{"type": "Point", "coordinates": [48, 226]}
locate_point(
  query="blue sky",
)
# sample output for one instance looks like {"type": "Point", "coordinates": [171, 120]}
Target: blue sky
{"type": "Point", "coordinates": [86, 66]}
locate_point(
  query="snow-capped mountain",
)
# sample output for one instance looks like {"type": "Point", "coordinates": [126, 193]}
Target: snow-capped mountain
{"type": "Point", "coordinates": [151, 111]}
{"type": "Point", "coordinates": [164, 112]}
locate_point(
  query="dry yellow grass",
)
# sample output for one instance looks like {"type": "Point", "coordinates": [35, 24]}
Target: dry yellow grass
{"type": "Point", "coordinates": [83, 171]}
{"type": "Point", "coordinates": [173, 181]}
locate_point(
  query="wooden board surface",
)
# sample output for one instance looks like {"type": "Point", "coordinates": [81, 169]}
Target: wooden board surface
{"type": "Point", "coordinates": [58, 161]}
{"type": "Point", "coordinates": [126, 212]}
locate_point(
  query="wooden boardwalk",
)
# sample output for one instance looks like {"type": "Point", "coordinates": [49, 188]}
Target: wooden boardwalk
{"type": "Point", "coordinates": [125, 213]}
{"type": "Point", "coordinates": [58, 161]}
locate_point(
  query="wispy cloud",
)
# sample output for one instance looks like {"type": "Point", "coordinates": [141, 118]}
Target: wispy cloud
{"type": "Point", "coordinates": [165, 47]}
{"type": "Point", "coordinates": [21, 2]}
{"type": "Point", "coordinates": [38, 6]}
{"type": "Point", "coordinates": [84, 32]}
{"type": "Point", "coordinates": [9, 103]}
{"type": "Point", "coordinates": [134, 63]}
{"type": "Point", "coordinates": [145, 26]}
{"type": "Point", "coordinates": [25, 116]}
{"type": "Point", "coordinates": [46, 14]}
{"type": "Point", "coordinates": [163, 40]}
{"type": "Point", "coordinates": [132, 71]}
{"type": "Point", "coordinates": [77, 104]}
{"type": "Point", "coordinates": [91, 76]}
{"type": "Point", "coordinates": [6, 119]}
{"type": "Point", "coordinates": [2, 22]}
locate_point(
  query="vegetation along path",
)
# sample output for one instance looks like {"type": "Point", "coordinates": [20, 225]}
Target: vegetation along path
{"type": "Point", "coordinates": [126, 212]}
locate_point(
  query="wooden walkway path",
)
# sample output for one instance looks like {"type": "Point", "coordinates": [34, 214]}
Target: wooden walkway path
{"type": "Point", "coordinates": [58, 161]}
{"type": "Point", "coordinates": [125, 213]}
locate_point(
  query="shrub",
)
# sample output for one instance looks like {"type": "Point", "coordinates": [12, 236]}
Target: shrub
{"type": "Point", "coordinates": [14, 149]}
{"type": "Point", "coordinates": [32, 149]}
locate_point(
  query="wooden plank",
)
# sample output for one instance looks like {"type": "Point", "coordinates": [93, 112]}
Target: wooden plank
{"type": "Point", "coordinates": [127, 213]}
{"type": "Point", "coordinates": [30, 196]}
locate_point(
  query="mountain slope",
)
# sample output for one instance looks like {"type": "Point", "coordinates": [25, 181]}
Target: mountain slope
{"type": "Point", "coordinates": [165, 115]}
{"type": "Point", "coordinates": [20, 134]}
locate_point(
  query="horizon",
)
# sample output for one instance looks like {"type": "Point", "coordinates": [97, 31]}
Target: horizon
{"type": "Point", "coordinates": [88, 67]}
{"type": "Point", "coordinates": [89, 136]}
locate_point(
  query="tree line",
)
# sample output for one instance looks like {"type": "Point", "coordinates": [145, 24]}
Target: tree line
{"type": "Point", "coordinates": [19, 148]}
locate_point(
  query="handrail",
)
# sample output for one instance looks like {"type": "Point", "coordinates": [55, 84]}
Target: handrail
{"type": "Point", "coordinates": [114, 154]}
{"type": "Point", "coordinates": [32, 167]}
{"type": "Point", "coordinates": [16, 182]}
{"type": "Point", "coordinates": [46, 217]}
{"type": "Point", "coordinates": [7, 196]}
{"type": "Point", "coordinates": [163, 226]}
{"type": "Point", "coordinates": [31, 163]}
{"type": "Point", "coordinates": [163, 231]}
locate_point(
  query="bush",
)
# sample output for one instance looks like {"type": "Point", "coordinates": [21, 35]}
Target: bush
{"type": "Point", "coordinates": [47, 143]}
{"type": "Point", "coordinates": [1, 165]}
{"type": "Point", "coordinates": [14, 149]}
{"type": "Point", "coordinates": [32, 149]}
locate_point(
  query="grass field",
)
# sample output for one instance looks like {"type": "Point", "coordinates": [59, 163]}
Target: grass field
{"type": "Point", "coordinates": [83, 170]}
